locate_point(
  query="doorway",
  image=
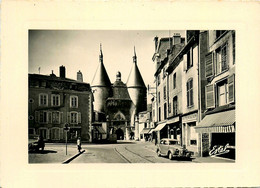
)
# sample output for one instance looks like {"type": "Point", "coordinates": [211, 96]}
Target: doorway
{"type": "Point", "coordinates": [120, 134]}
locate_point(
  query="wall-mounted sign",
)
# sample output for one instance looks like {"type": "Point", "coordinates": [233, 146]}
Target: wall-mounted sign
{"type": "Point", "coordinates": [219, 150]}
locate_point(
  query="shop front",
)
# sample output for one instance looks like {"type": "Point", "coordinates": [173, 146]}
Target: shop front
{"type": "Point", "coordinates": [174, 128]}
{"type": "Point", "coordinates": [189, 136]}
{"type": "Point", "coordinates": [99, 133]}
{"type": "Point", "coordinates": [218, 134]}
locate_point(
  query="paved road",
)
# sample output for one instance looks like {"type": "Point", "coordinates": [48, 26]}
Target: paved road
{"type": "Point", "coordinates": [121, 152]}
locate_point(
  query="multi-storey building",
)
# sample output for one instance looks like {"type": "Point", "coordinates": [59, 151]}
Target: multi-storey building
{"type": "Point", "coordinates": [145, 123]}
{"type": "Point", "coordinates": [190, 88]}
{"type": "Point", "coordinates": [217, 75]}
{"type": "Point", "coordinates": [58, 101]}
{"type": "Point", "coordinates": [165, 105]}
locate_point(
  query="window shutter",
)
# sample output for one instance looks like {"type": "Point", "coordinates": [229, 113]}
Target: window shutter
{"type": "Point", "coordinates": [191, 92]}
{"type": "Point", "coordinates": [47, 133]}
{"type": "Point", "coordinates": [61, 117]}
{"type": "Point", "coordinates": [210, 97]}
{"type": "Point", "coordinates": [79, 117]}
{"type": "Point", "coordinates": [184, 62]}
{"type": "Point", "coordinates": [187, 93]}
{"type": "Point", "coordinates": [36, 117]}
{"type": "Point", "coordinates": [52, 98]}
{"type": "Point", "coordinates": [227, 55]}
{"type": "Point", "coordinates": [231, 88]}
{"type": "Point", "coordinates": [209, 65]}
{"type": "Point", "coordinates": [191, 57]}
{"type": "Point", "coordinates": [68, 117]}
{"type": "Point", "coordinates": [49, 117]}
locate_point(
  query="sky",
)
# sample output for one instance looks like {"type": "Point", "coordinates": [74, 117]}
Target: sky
{"type": "Point", "coordinates": [80, 49]}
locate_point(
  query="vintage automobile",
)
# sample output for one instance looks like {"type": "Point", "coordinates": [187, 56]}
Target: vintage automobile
{"type": "Point", "coordinates": [172, 149]}
{"type": "Point", "coordinates": [36, 143]}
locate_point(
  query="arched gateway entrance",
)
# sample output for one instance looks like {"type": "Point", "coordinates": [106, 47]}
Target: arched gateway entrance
{"type": "Point", "coordinates": [120, 134]}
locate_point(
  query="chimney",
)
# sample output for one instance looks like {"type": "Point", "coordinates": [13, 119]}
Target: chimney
{"type": "Point", "coordinates": [155, 42]}
{"type": "Point", "coordinates": [176, 38]}
{"type": "Point", "coordinates": [62, 71]}
{"type": "Point", "coordinates": [79, 76]}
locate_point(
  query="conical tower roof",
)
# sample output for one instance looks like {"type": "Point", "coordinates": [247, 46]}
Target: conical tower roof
{"type": "Point", "coordinates": [135, 79]}
{"type": "Point", "coordinates": [101, 77]}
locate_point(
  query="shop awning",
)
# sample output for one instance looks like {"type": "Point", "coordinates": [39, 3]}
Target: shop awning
{"type": "Point", "coordinates": [159, 127]}
{"type": "Point", "coordinates": [145, 131]}
{"type": "Point", "coordinates": [151, 131]}
{"type": "Point", "coordinates": [100, 130]}
{"type": "Point", "coordinates": [222, 122]}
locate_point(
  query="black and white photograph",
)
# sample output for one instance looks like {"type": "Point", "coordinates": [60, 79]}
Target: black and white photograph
{"type": "Point", "coordinates": [129, 94]}
{"type": "Point", "coordinates": [92, 102]}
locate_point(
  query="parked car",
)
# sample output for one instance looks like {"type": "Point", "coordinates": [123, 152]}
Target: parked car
{"type": "Point", "coordinates": [36, 143]}
{"type": "Point", "coordinates": [172, 149]}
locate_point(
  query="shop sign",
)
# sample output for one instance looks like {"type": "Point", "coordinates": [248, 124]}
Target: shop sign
{"type": "Point", "coordinates": [219, 150]}
{"type": "Point", "coordinates": [189, 118]}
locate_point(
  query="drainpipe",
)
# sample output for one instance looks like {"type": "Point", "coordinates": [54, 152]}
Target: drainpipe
{"type": "Point", "coordinates": [167, 95]}
{"type": "Point", "coordinates": [199, 99]}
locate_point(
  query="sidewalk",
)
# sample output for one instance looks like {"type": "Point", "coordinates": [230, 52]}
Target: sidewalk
{"type": "Point", "coordinates": [53, 153]}
{"type": "Point", "coordinates": [152, 147]}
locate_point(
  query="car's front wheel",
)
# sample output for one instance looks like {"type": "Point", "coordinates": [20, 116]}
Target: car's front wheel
{"type": "Point", "coordinates": [170, 155]}
{"type": "Point", "coordinates": [158, 153]}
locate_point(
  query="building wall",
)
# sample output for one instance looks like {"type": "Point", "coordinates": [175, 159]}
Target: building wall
{"type": "Point", "coordinates": [191, 73]}
{"type": "Point", "coordinates": [215, 43]}
{"type": "Point", "coordinates": [203, 50]}
{"type": "Point", "coordinates": [84, 108]}
{"type": "Point", "coordinates": [178, 90]}
{"type": "Point", "coordinates": [161, 100]}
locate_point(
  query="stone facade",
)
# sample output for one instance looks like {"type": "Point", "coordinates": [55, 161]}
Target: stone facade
{"type": "Point", "coordinates": [57, 101]}
{"type": "Point", "coordinates": [119, 102]}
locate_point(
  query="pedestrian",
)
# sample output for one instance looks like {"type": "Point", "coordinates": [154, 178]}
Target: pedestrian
{"type": "Point", "coordinates": [79, 144]}
{"type": "Point", "coordinates": [155, 140]}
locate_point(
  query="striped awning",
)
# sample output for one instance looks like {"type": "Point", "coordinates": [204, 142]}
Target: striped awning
{"type": "Point", "coordinates": [159, 127]}
{"type": "Point", "coordinates": [222, 122]}
{"type": "Point", "coordinates": [100, 130]}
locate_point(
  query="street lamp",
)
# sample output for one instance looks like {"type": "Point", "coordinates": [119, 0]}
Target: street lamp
{"type": "Point", "coordinates": [66, 129]}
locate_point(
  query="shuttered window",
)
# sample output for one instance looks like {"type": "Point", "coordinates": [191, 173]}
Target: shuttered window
{"type": "Point", "coordinates": [43, 99]}
{"type": "Point", "coordinates": [231, 88]}
{"type": "Point", "coordinates": [49, 117]}
{"type": "Point", "coordinates": [189, 86]}
{"type": "Point", "coordinates": [43, 117]}
{"type": "Point", "coordinates": [74, 101]}
{"type": "Point", "coordinates": [68, 117]}
{"type": "Point", "coordinates": [234, 46]}
{"type": "Point", "coordinates": [174, 81]}
{"type": "Point", "coordinates": [185, 62]}
{"type": "Point", "coordinates": [74, 117]}
{"type": "Point", "coordinates": [56, 117]}
{"type": "Point", "coordinates": [79, 117]}
{"type": "Point", "coordinates": [164, 92]}
{"type": "Point", "coordinates": [190, 59]}
{"type": "Point", "coordinates": [209, 65]}
{"type": "Point", "coordinates": [61, 117]}
{"type": "Point", "coordinates": [55, 100]}
{"type": "Point", "coordinates": [210, 96]}
{"type": "Point", "coordinates": [224, 58]}
{"type": "Point", "coordinates": [175, 106]}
